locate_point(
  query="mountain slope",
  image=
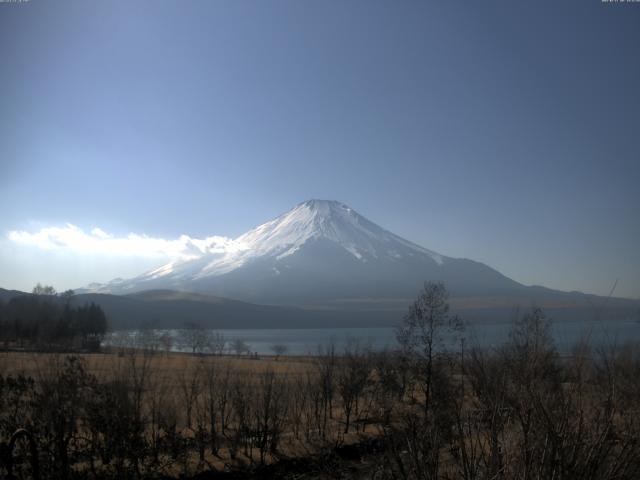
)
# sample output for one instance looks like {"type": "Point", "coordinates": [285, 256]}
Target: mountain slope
{"type": "Point", "coordinates": [324, 256]}
{"type": "Point", "coordinates": [320, 251]}
{"type": "Point", "coordinates": [173, 309]}
{"type": "Point", "coordinates": [6, 295]}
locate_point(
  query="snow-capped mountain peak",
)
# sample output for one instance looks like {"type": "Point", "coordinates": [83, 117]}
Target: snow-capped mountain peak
{"type": "Point", "coordinates": [309, 223]}
{"type": "Point", "coordinates": [314, 220]}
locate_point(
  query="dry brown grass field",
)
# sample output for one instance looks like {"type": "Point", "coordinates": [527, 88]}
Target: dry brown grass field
{"type": "Point", "coordinates": [171, 365]}
{"type": "Point", "coordinates": [518, 411]}
{"type": "Point", "coordinates": [185, 387]}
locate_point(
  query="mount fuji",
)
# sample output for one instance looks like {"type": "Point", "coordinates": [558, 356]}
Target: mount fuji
{"type": "Point", "coordinates": [320, 251]}
{"type": "Point", "coordinates": [322, 254]}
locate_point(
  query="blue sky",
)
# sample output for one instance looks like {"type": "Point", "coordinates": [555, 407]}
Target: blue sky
{"type": "Point", "coordinates": [506, 132]}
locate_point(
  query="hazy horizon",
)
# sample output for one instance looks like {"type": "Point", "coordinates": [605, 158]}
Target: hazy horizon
{"type": "Point", "coordinates": [499, 132]}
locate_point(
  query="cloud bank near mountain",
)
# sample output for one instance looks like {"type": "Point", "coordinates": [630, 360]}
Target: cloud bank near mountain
{"type": "Point", "coordinates": [96, 241]}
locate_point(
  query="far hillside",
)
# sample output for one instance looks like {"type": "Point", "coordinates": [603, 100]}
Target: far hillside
{"type": "Point", "coordinates": [164, 308]}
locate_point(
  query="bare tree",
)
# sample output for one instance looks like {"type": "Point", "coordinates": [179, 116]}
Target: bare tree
{"type": "Point", "coordinates": [190, 387]}
{"type": "Point", "coordinates": [193, 337]}
{"type": "Point", "coordinates": [239, 346]}
{"type": "Point", "coordinates": [44, 290]}
{"type": "Point", "coordinates": [352, 376]}
{"type": "Point", "coordinates": [279, 349]}
{"type": "Point", "coordinates": [269, 412]}
{"type": "Point", "coordinates": [423, 333]}
{"type": "Point", "coordinates": [216, 343]}
{"type": "Point", "coordinates": [326, 366]}
{"type": "Point", "coordinates": [148, 339]}
{"type": "Point", "coordinates": [166, 341]}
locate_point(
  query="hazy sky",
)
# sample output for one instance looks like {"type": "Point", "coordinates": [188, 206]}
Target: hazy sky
{"type": "Point", "coordinates": [506, 132]}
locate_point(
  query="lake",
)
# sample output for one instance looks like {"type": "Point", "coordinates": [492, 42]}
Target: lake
{"type": "Point", "coordinates": [306, 341]}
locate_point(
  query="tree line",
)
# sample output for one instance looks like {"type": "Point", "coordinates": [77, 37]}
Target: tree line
{"type": "Point", "coordinates": [46, 320]}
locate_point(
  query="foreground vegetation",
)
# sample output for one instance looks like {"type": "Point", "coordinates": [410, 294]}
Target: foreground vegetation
{"type": "Point", "coordinates": [433, 409]}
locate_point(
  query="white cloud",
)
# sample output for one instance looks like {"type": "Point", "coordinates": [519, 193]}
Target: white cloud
{"type": "Point", "coordinates": [98, 232]}
{"type": "Point", "coordinates": [97, 241]}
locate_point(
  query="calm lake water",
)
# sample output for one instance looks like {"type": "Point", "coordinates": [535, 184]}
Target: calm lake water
{"type": "Point", "coordinates": [307, 341]}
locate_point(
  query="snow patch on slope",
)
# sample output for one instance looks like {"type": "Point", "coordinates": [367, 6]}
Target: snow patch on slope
{"type": "Point", "coordinates": [316, 219]}
{"type": "Point", "coordinates": [285, 235]}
